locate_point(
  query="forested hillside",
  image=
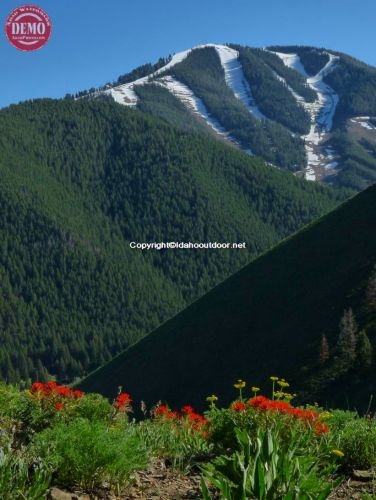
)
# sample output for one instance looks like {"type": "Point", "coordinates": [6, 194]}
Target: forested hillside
{"type": "Point", "coordinates": [79, 181]}
{"type": "Point", "coordinates": [359, 160]}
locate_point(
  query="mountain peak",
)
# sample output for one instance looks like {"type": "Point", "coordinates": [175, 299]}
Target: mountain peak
{"type": "Point", "coordinates": [284, 104]}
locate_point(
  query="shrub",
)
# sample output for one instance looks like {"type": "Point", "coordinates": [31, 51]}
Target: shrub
{"type": "Point", "coordinates": [358, 442]}
{"type": "Point", "coordinates": [91, 407]}
{"type": "Point", "coordinates": [340, 419]}
{"type": "Point", "coordinates": [86, 454]}
{"type": "Point", "coordinates": [12, 402]}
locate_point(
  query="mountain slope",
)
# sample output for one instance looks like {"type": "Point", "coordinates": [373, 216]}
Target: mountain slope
{"type": "Point", "coordinates": [265, 320]}
{"type": "Point", "coordinates": [280, 103]}
{"type": "Point", "coordinates": [80, 180]}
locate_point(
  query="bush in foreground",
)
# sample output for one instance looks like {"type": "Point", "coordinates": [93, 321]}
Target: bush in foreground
{"type": "Point", "coordinates": [88, 454]}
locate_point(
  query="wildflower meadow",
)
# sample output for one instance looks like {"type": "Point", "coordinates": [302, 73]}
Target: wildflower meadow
{"type": "Point", "coordinates": [257, 447]}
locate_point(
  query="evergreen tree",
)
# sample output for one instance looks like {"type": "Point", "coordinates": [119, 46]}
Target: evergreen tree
{"type": "Point", "coordinates": [371, 290]}
{"type": "Point", "coordinates": [347, 340]}
{"type": "Point", "coordinates": [324, 350]}
{"type": "Point", "coordinates": [364, 350]}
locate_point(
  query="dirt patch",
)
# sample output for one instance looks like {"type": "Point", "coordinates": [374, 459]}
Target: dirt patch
{"type": "Point", "coordinates": [157, 482]}
{"type": "Point", "coordinates": [351, 489]}
{"type": "Point", "coordinates": [163, 482]}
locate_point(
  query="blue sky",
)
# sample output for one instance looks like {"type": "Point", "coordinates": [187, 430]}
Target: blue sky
{"type": "Point", "coordinates": [93, 41]}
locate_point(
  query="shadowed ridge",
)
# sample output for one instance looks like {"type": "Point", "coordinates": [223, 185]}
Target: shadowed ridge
{"type": "Point", "coordinates": [266, 319]}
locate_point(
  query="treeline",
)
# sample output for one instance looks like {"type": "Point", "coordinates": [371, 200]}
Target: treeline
{"type": "Point", "coordinates": [203, 73]}
{"type": "Point", "coordinates": [135, 74]}
{"type": "Point", "coordinates": [141, 71]}
{"type": "Point", "coordinates": [80, 180]}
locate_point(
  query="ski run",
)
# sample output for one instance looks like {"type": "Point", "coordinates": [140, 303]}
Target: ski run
{"type": "Point", "coordinates": [195, 104]}
{"type": "Point", "coordinates": [321, 112]}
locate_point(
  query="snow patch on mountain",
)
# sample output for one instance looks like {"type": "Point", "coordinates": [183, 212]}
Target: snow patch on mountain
{"type": "Point", "coordinates": [195, 104]}
{"type": "Point", "coordinates": [236, 80]}
{"type": "Point", "coordinates": [328, 99]}
{"type": "Point", "coordinates": [234, 76]}
{"type": "Point", "coordinates": [364, 122]}
{"type": "Point", "coordinates": [321, 112]}
{"type": "Point", "coordinates": [125, 94]}
{"type": "Point", "coordinates": [292, 61]}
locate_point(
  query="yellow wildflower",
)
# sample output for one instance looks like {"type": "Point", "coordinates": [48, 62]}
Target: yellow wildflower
{"type": "Point", "coordinates": [279, 394]}
{"type": "Point", "coordinates": [274, 379]}
{"type": "Point", "coordinates": [240, 384]}
{"type": "Point", "coordinates": [325, 415]}
{"type": "Point", "coordinates": [288, 396]}
{"type": "Point", "coordinates": [338, 453]}
{"type": "Point", "coordinates": [255, 389]}
{"type": "Point", "coordinates": [283, 384]}
{"type": "Point", "coordinates": [212, 398]}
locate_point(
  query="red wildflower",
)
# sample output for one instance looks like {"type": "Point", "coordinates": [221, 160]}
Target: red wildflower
{"type": "Point", "coordinates": [259, 402]}
{"type": "Point", "coordinates": [172, 415]}
{"type": "Point", "coordinates": [53, 389]}
{"type": "Point", "coordinates": [187, 409]}
{"type": "Point", "coordinates": [238, 406]}
{"type": "Point", "coordinates": [59, 406]}
{"type": "Point", "coordinates": [61, 391]}
{"type": "Point", "coordinates": [280, 406]}
{"type": "Point", "coordinates": [320, 428]}
{"type": "Point", "coordinates": [308, 416]}
{"type": "Point", "coordinates": [161, 410]}
{"type": "Point", "coordinates": [78, 394]}
{"type": "Point", "coordinates": [187, 418]}
{"type": "Point", "coordinates": [122, 400]}
{"type": "Point", "coordinates": [197, 419]}
{"type": "Point", "coordinates": [37, 387]}
{"type": "Point", "coordinates": [49, 387]}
